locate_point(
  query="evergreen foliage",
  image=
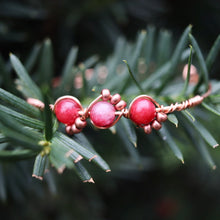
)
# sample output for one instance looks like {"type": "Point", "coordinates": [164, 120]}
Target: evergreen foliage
{"type": "Point", "coordinates": [152, 65]}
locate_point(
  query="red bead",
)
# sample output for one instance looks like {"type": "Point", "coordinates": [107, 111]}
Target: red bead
{"type": "Point", "coordinates": [66, 110]}
{"type": "Point", "coordinates": [142, 111]}
{"type": "Point", "coordinates": [102, 114]}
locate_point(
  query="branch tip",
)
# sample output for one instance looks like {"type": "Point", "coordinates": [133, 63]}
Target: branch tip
{"type": "Point", "coordinates": [37, 177]}
{"type": "Point", "coordinates": [69, 153]}
{"type": "Point", "coordinates": [89, 180]}
{"type": "Point", "coordinates": [92, 158]}
{"type": "Point", "coordinates": [216, 145]}
{"type": "Point", "coordinates": [214, 167]}
{"type": "Point", "coordinates": [61, 169]}
{"type": "Point", "coordinates": [78, 159]}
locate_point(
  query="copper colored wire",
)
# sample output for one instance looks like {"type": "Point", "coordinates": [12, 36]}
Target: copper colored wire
{"type": "Point", "coordinates": [85, 113]}
{"type": "Point", "coordinates": [181, 106]}
{"type": "Point", "coordinates": [196, 100]}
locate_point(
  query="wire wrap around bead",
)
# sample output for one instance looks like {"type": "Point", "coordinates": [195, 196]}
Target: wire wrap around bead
{"type": "Point", "coordinates": [121, 110]}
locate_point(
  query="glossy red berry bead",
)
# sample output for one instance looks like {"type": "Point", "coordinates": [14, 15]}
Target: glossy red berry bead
{"type": "Point", "coordinates": [142, 111]}
{"type": "Point", "coordinates": [66, 110]}
{"type": "Point", "coordinates": [102, 114]}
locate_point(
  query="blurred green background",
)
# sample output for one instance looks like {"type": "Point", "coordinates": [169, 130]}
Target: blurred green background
{"type": "Point", "coordinates": [167, 189]}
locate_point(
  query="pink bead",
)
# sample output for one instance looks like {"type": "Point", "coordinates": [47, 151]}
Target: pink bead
{"type": "Point", "coordinates": [147, 129]}
{"type": "Point", "coordinates": [116, 98]}
{"type": "Point", "coordinates": [156, 125]}
{"type": "Point", "coordinates": [161, 117]}
{"type": "Point", "coordinates": [80, 123]}
{"type": "Point", "coordinates": [66, 110]}
{"type": "Point", "coordinates": [142, 111]}
{"type": "Point", "coordinates": [102, 114]}
{"type": "Point", "coordinates": [105, 94]}
{"type": "Point", "coordinates": [121, 105]}
{"type": "Point", "coordinates": [69, 130]}
{"type": "Point", "coordinates": [75, 129]}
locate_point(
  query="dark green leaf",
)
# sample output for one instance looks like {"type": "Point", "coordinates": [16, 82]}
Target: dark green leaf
{"type": "Point", "coordinates": [46, 64]}
{"type": "Point", "coordinates": [163, 70]}
{"type": "Point", "coordinates": [133, 77]}
{"type": "Point", "coordinates": [129, 146]}
{"type": "Point", "coordinates": [206, 135]}
{"type": "Point", "coordinates": [115, 59]}
{"type": "Point", "coordinates": [204, 71]}
{"type": "Point", "coordinates": [82, 150]}
{"type": "Point", "coordinates": [83, 173]}
{"type": "Point", "coordinates": [3, 193]}
{"type": "Point", "coordinates": [190, 116]}
{"type": "Point", "coordinates": [67, 76]}
{"type": "Point", "coordinates": [179, 48]}
{"type": "Point", "coordinates": [20, 139]}
{"type": "Point", "coordinates": [48, 120]}
{"type": "Point", "coordinates": [18, 103]}
{"type": "Point", "coordinates": [188, 73]}
{"type": "Point", "coordinates": [74, 145]}
{"type": "Point", "coordinates": [210, 108]}
{"type": "Point", "coordinates": [39, 166]}
{"type": "Point", "coordinates": [32, 58]}
{"type": "Point", "coordinates": [18, 133]}
{"type": "Point", "coordinates": [129, 130]}
{"type": "Point", "coordinates": [51, 182]}
{"type": "Point", "coordinates": [23, 119]}
{"type": "Point", "coordinates": [82, 140]}
{"type": "Point", "coordinates": [90, 61]}
{"type": "Point", "coordinates": [59, 158]}
{"type": "Point", "coordinates": [3, 138]}
{"type": "Point", "coordinates": [166, 136]}
{"type": "Point", "coordinates": [173, 119]}
{"type": "Point", "coordinates": [199, 144]}
{"type": "Point", "coordinates": [14, 155]}
{"type": "Point", "coordinates": [138, 48]}
{"type": "Point", "coordinates": [6, 75]}
{"type": "Point", "coordinates": [69, 152]}
{"type": "Point", "coordinates": [164, 47]}
{"type": "Point", "coordinates": [213, 53]}
{"type": "Point", "coordinates": [29, 84]}
{"type": "Point", "coordinates": [175, 58]}
{"type": "Point", "coordinates": [150, 43]}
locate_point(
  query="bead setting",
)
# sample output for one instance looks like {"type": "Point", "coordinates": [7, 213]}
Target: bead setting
{"type": "Point", "coordinates": [106, 110]}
